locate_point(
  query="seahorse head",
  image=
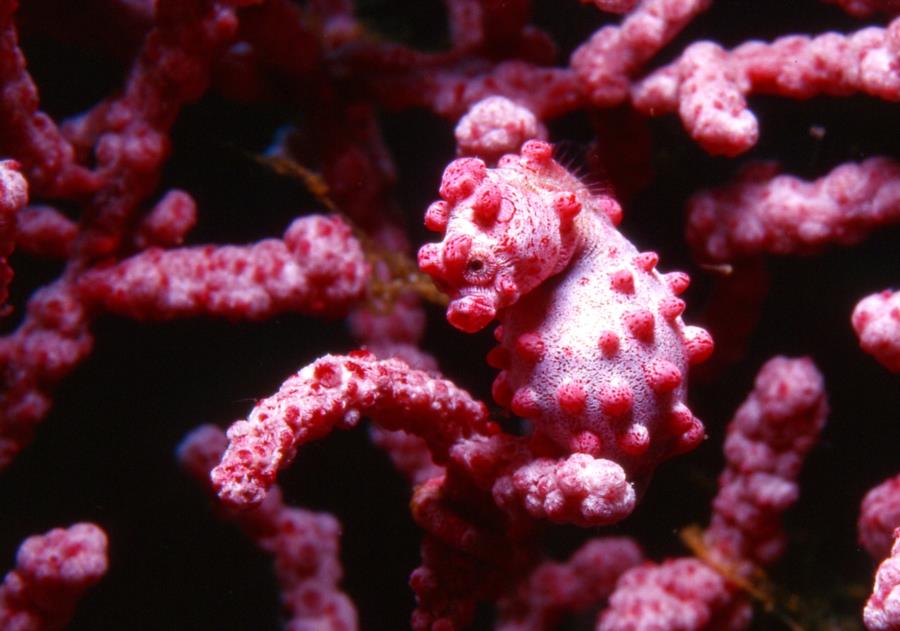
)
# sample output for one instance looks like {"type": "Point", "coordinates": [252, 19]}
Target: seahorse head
{"type": "Point", "coordinates": [506, 230]}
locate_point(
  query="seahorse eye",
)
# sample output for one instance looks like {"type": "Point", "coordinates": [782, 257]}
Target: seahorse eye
{"type": "Point", "coordinates": [479, 268]}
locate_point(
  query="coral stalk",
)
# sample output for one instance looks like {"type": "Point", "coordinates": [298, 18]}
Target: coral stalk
{"type": "Point", "coordinates": [882, 611]}
{"type": "Point", "coordinates": [52, 573]}
{"type": "Point", "coordinates": [336, 392]}
{"type": "Point", "coordinates": [766, 444]}
{"type": "Point", "coordinates": [876, 320]}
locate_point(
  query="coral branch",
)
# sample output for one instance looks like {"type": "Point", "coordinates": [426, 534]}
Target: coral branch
{"type": "Point", "coordinates": [169, 221]}
{"type": "Point", "coordinates": [707, 86]}
{"type": "Point", "coordinates": [762, 211]}
{"type": "Point", "coordinates": [882, 612]}
{"type": "Point", "coordinates": [304, 546]}
{"type": "Point", "coordinates": [553, 589]}
{"type": "Point", "coordinates": [13, 196]}
{"type": "Point", "coordinates": [450, 92]}
{"type": "Point", "coordinates": [131, 130]}
{"type": "Point", "coordinates": [766, 443]}
{"type": "Point", "coordinates": [879, 516]}
{"type": "Point", "coordinates": [26, 133]}
{"type": "Point", "coordinates": [44, 231]}
{"type": "Point", "coordinates": [676, 595]}
{"type": "Point", "coordinates": [52, 573]}
{"type": "Point", "coordinates": [613, 6]}
{"type": "Point", "coordinates": [606, 63]}
{"type": "Point", "coordinates": [876, 320]}
{"type": "Point", "coordinates": [51, 341]}
{"type": "Point", "coordinates": [318, 268]}
{"type": "Point", "coordinates": [865, 8]}
{"type": "Point", "coordinates": [129, 139]}
{"type": "Point", "coordinates": [495, 126]}
{"type": "Point", "coordinates": [580, 490]}
{"type": "Point", "coordinates": [337, 391]}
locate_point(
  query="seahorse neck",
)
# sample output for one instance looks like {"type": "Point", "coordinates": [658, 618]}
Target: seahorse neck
{"type": "Point", "coordinates": [596, 239]}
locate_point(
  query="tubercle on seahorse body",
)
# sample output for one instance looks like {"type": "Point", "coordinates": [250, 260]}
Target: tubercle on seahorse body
{"type": "Point", "coordinates": [592, 347]}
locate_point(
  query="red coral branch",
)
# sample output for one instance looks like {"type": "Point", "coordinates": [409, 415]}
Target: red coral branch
{"type": "Point", "coordinates": [52, 573]}
{"type": "Point", "coordinates": [876, 320]}
{"type": "Point", "coordinates": [336, 392]}
{"type": "Point", "coordinates": [317, 268]}
{"type": "Point", "coordinates": [707, 86]}
{"type": "Point", "coordinates": [766, 444]}
{"type": "Point", "coordinates": [304, 546]}
{"type": "Point", "coordinates": [764, 212]}
{"type": "Point", "coordinates": [882, 612]}
{"type": "Point", "coordinates": [13, 196]}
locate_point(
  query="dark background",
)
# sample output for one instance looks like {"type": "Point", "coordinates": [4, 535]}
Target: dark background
{"type": "Point", "coordinates": [105, 453]}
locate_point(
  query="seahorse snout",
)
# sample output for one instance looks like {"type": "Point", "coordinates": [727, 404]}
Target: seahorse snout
{"type": "Point", "coordinates": [471, 313]}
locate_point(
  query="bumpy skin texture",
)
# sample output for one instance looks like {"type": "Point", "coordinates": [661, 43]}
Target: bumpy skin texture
{"type": "Point", "coordinates": [319, 268]}
{"type": "Point", "coordinates": [876, 320]}
{"type": "Point", "coordinates": [882, 611]}
{"type": "Point", "coordinates": [52, 572]}
{"type": "Point", "coordinates": [593, 350]}
{"type": "Point", "coordinates": [879, 516]}
{"type": "Point", "coordinates": [169, 221]}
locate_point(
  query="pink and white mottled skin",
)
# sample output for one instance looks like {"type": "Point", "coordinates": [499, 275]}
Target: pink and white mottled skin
{"type": "Point", "coordinates": [52, 572]}
{"type": "Point", "coordinates": [882, 611]}
{"type": "Point", "coordinates": [876, 320]}
{"type": "Point", "coordinates": [593, 350]}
